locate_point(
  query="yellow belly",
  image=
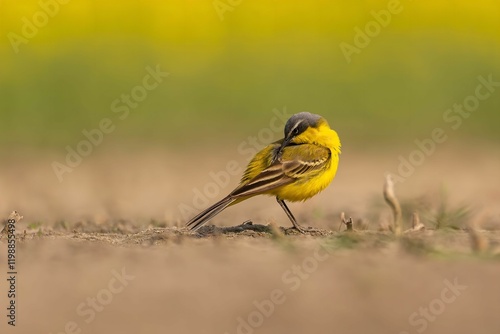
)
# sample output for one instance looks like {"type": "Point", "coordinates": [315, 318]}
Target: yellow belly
{"type": "Point", "coordinates": [305, 189]}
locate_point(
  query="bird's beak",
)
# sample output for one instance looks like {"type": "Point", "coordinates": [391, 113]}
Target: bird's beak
{"type": "Point", "coordinates": [285, 142]}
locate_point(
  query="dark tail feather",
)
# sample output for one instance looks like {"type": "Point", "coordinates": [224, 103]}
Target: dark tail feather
{"type": "Point", "coordinates": [204, 216]}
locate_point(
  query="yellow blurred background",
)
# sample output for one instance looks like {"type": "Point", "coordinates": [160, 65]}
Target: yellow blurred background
{"type": "Point", "coordinates": [231, 63]}
{"type": "Point", "coordinates": [161, 103]}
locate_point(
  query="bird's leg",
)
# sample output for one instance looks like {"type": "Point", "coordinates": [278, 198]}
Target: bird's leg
{"type": "Point", "coordinates": [291, 217]}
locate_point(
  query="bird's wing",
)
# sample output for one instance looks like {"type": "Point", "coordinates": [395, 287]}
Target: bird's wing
{"type": "Point", "coordinates": [304, 161]}
{"type": "Point", "coordinates": [261, 161]}
{"type": "Point", "coordinates": [297, 162]}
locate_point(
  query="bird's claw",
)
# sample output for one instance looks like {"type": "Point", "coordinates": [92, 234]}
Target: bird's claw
{"type": "Point", "coordinates": [303, 230]}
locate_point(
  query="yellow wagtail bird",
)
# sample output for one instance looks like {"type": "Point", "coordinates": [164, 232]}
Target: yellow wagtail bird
{"type": "Point", "coordinates": [293, 169]}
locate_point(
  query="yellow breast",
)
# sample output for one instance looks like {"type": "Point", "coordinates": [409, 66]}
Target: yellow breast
{"type": "Point", "coordinates": [305, 189]}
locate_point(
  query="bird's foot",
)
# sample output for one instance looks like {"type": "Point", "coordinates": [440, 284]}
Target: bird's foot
{"type": "Point", "coordinates": [301, 229]}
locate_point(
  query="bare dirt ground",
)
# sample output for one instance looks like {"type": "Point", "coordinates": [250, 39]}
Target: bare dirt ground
{"type": "Point", "coordinates": [104, 250]}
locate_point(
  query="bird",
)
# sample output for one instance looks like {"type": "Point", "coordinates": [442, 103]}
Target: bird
{"type": "Point", "coordinates": [295, 168]}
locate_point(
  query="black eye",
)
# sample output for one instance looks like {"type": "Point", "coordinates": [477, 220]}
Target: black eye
{"type": "Point", "coordinates": [295, 131]}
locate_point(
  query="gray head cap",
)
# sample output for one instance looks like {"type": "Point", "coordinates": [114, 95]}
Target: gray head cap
{"type": "Point", "coordinates": [300, 122]}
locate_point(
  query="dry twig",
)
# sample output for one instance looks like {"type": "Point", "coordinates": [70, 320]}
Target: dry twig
{"type": "Point", "coordinates": [347, 223]}
{"type": "Point", "coordinates": [479, 243]}
{"type": "Point", "coordinates": [393, 202]}
{"type": "Point", "coordinates": [416, 225]}
{"type": "Point", "coordinates": [13, 216]}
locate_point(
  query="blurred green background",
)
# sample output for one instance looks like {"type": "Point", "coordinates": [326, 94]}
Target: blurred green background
{"type": "Point", "coordinates": [227, 75]}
